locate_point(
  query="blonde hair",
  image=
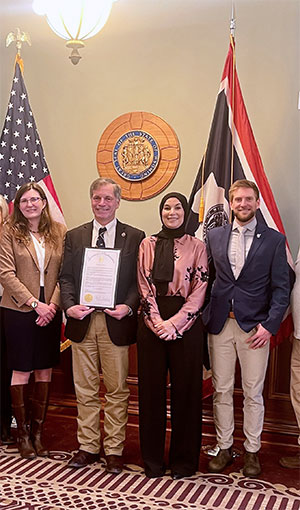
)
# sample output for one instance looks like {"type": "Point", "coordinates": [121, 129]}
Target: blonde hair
{"type": "Point", "coordinates": [3, 210]}
{"type": "Point", "coordinates": [243, 183]}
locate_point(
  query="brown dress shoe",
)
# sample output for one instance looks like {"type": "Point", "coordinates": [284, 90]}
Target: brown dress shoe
{"type": "Point", "coordinates": [251, 465]}
{"type": "Point", "coordinates": [290, 462]}
{"type": "Point", "coordinates": [218, 463]}
{"type": "Point", "coordinates": [82, 459]}
{"type": "Point", "coordinates": [114, 464]}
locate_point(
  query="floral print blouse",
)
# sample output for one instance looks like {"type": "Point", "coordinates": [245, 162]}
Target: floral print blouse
{"type": "Point", "coordinates": [189, 281]}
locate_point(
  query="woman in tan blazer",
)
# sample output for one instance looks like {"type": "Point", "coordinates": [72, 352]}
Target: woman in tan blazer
{"type": "Point", "coordinates": [30, 259]}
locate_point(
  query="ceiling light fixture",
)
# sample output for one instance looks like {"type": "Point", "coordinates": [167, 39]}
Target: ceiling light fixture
{"type": "Point", "coordinates": [74, 20]}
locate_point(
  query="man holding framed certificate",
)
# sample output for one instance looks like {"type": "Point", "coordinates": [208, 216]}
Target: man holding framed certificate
{"type": "Point", "coordinates": [99, 295]}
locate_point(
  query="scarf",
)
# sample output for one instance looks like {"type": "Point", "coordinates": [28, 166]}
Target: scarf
{"type": "Point", "coordinates": [163, 265]}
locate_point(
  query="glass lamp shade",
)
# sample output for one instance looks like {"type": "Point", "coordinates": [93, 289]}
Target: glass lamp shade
{"type": "Point", "coordinates": [75, 20]}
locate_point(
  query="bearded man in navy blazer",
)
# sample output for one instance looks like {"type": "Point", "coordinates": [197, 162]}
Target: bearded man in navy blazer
{"type": "Point", "coordinates": [249, 297]}
{"type": "Point", "coordinates": [101, 338]}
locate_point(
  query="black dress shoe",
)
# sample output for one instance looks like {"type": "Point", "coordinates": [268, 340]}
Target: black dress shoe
{"type": "Point", "coordinates": [151, 474]}
{"type": "Point", "coordinates": [5, 439]}
{"type": "Point", "coordinates": [177, 476]}
{"type": "Point", "coordinates": [82, 459]}
{"type": "Point", "coordinates": [114, 464]}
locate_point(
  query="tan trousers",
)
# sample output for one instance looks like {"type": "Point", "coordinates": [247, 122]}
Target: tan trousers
{"type": "Point", "coordinates": [95, 351]}
{"type": "Point", "coordinates": [224, 349]}
{"type": "Point", "coordinates": [295, 380]}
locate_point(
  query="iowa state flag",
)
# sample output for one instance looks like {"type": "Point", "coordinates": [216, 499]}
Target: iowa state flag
{"type": "Point", "coordinates": [231, 154]}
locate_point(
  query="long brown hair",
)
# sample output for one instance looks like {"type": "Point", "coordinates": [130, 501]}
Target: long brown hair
{"type": "Point", "coordinates": [20, 225]}
{"type": "Point", "coordinates": [3, 212]}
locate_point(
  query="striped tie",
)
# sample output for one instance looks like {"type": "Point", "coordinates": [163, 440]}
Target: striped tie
{"type": "Point", "coordinates": [100, 241]}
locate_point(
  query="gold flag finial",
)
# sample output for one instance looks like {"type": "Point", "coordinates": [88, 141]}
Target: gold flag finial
{"type": "Point", "coordinates": [18, 37]}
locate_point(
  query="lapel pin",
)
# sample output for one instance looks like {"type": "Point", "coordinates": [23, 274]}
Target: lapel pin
{"type": "Point", "coordinates": [258, 236]}
{"type": "Point", "coordinates": [123, 234]}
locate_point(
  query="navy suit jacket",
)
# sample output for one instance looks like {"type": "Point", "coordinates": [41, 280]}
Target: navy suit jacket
{"type": "Point", "coordinates": [121, 332]}
{"type": "Point", "coordinates": [261, 292]}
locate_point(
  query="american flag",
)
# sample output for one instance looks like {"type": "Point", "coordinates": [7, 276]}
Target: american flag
{"type": "Point", "coordinates": [22, 157]}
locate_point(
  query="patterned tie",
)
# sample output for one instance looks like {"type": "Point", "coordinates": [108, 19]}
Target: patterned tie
{"type": "Point", "coordinates": [100, 241]}
{"type": "Point", "coordinates": [240, 251]}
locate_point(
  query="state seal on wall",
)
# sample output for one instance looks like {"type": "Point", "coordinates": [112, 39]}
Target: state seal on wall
{"type": "Point", "coordinates": [139, 151]}
{"type": "Point", "coordinates": [136, 155]}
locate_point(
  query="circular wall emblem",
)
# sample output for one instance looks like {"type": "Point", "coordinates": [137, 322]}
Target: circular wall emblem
{"type": "Point", "coordinates": [139, 151]}
{"type": "Point", "coordinates": [135, 155]}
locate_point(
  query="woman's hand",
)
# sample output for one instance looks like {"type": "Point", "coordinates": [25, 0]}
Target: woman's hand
{"type": "Point", "coordinates": [165, 330]}
{"type": "Point", "coordinates": [54, 307]}
{"type": "Point", "coordinates": [44, 321]}
{"type": "Point", "coordinates": [45, 313]}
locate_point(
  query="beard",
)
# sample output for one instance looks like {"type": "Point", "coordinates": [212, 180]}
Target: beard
{"type": "Point", "coordinates": [245, 218]}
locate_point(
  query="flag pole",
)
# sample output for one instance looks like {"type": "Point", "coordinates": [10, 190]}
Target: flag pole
{"type": "Point", "coordinates": [232, 21]}
{"type": "Point", "coordinates": [19, 38]}
{"type": "Point", "coordinates": [232, 42]}
{"type": "Point", "coordinates": [201, 205]}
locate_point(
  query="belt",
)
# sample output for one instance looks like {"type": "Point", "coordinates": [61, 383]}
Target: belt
{"type": "Point", "coordinates": [231, 315]}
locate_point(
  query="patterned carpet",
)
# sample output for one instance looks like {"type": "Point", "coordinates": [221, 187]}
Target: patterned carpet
{"type": "Point", "coordinates": [47, 484]}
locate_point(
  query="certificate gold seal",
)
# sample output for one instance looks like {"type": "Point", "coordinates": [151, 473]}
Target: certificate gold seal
{"type": "Point", "coordinates": [139, 151]}
{"type": "Point", "coordinates": [88, 298]}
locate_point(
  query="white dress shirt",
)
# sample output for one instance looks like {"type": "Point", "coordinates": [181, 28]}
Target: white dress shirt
{"type": "Point", "coordinates": [109, 235]}
{"type": "Point", "coordinates": [39, 246]}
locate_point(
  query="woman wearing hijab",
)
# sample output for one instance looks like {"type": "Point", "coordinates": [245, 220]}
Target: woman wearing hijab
{"type": "Point", "coordinates": [172, 279]}
{"type": "Point", "coordinates": [30, 259]}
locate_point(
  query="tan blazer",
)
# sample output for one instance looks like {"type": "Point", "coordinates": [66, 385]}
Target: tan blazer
{"type": "Point", "coordinates": [20, 273]}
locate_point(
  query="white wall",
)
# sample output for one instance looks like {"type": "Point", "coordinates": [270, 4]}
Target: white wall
{"type": "Point", "coordinates": [165, 57]}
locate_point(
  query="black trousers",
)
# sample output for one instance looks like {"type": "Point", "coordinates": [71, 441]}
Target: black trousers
{"type": "Point", "coordinates": [183, 359]}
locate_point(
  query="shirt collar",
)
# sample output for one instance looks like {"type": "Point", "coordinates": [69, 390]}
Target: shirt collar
{"type": "Point", "coordinates": [250, 226]}
{"type": "Point", "coordinates": [109, 226]}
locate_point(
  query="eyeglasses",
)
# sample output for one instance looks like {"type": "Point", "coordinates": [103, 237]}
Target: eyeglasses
{"type": "Point", "coordinates": [32, 200]}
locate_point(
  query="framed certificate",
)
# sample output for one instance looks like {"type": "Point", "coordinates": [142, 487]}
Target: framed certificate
{"type": "Point", "coordinates": [99, 277]}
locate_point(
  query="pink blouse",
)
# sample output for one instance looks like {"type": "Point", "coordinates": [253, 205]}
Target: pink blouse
{"type": "Point", "coordinates": [189, 281]}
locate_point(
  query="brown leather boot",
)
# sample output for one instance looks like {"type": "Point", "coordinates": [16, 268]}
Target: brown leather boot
{"type": "Point", "coordinates": [23, 439]}
{"type": "Point", "coordinates": [251, 465]}
{"type": "Point", "coordinates": [38, 415]}
{"type": "Point", "coordinates": [290, 462]}
{"type": "Point", "coordinates": [218, 463]}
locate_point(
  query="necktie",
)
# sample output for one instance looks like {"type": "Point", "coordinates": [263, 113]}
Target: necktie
{"type": "Point", "coordinates": [100, 241]}
{"type": "Point", "coordinates": [240, 251]}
